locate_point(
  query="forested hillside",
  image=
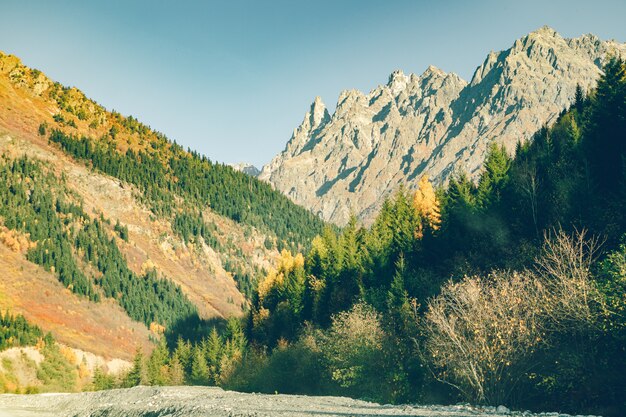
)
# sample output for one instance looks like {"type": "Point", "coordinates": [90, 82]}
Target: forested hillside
{"type": "Point", "coordinates": [119, 213]}
{"type": "Point", "coordinates": [60, 236]}
{"type": "Point", "coordinates": [510, 290]}
{"type": "Point", "coordinates": [114, 238]}
{"type": "Point", "coordinates": [172, 180]}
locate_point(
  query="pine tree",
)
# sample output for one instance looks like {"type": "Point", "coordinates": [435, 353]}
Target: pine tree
{"type": "Point", "coordinates": [214, 349]}
{"type": "Point", "coordinates": [579, 99]}
{"type": "Point", "coordinates": [102, 381]}
{"type": "Point", "coordinates": [176, 375]}
{"type": "Point", "coordinates": [234, 332]}
{"type": "Point", "coordinates": [157, 364]}
{"type": "Point", "coordinates": [492, 181]}
{"type": "Point", "coordinates": [183, 352]}
{"type": "Point", "coordinates": [200, 373]}
{"type": "Point", "coordinates": [138, 374]}
{"type": "Point", "coordinates": [605, 139]}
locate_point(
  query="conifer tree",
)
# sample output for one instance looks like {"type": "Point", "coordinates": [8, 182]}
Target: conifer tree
{"type": "Point", "coordinates": [157, 364]}
{"type": "Point", "coordinates": [138, 374]}
{"type": "Point", "coordinates": [176, 374]}
{"type": "Point", "coordinates": [426, 204]}
{"type": "Point", "coordinates": [183, 352]}
{"type": "Point", "coordinates": [492, 181]}
{"type": "Point", "coordinates": [200, 373]}
{"type": "Point", "coordinates": [214, 350]}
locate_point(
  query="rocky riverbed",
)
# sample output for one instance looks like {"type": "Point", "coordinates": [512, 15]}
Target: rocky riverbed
{"type": "Point", "coordinates": [206, 401]}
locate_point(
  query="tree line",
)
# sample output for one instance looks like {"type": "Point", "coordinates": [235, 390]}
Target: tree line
{"type": "Point", "coordinates": [168, 172]}
{"type": "Point", "coordinates": [15, 330]}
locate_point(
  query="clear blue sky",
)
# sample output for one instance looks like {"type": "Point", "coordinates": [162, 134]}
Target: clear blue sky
{"type": "Point", "coordinates": [232, 79]}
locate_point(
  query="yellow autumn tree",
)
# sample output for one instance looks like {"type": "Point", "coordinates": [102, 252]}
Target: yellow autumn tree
{"type": "Point", "coordinates": [279, 301]}
{"type": "Point", "coordinates": [426, 204]}
{"type": "Point", "coordinates": [286, 265]}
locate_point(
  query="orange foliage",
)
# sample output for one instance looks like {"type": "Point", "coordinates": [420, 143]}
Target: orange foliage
{"type": "Point", "coordinates": [156, 328]}
{"type": "Point", "coordinates": [276, 276]}
{"type": "Point", "coordinates": [15, 241]}
{"type": "Point", "coordinates": [426, 204]}
{"type": "Point", "coordinates": [68, 353]}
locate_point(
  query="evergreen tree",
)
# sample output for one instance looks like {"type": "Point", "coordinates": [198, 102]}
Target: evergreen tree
{"type": "Point", "coordinates": [493, 180]}
{"type": "Point", "coordinates": [214, 350]}
{"type": "Point", "coordinates": [138, 374]}
{"type": "Point", "coordinates": [157, 368]}
{"type": "Point", "coordinates": [176, 374]}
{"type": "Point", "coordinates": [183, 352]}
{"type": "Point", "coordinates": [200, 372]}
{"type": "Point", "coordinates": [579, 99]}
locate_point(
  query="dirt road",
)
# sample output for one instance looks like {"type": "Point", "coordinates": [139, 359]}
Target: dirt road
{"type": "Point", "coordinates": [205, 401]}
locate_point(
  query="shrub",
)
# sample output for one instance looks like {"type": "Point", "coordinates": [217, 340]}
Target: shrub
{"type": "Point", "coordinates": [482, 332]}
{"type": "Point", "coordinates": [353, 351]}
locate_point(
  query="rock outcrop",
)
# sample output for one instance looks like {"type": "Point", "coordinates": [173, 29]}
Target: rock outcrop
{"type": "Point", "coordinates": [435, 124]}
{"type": "Point", "coordinates": [246, 169]}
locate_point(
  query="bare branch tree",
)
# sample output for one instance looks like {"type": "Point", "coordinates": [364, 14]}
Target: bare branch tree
{"type": "Point", "coordinates": [481, 333]}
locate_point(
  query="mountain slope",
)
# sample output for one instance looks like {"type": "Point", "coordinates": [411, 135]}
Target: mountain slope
{"type": "Point", "coordinates": [433, 124]}
{"type": "Point", "coordinates": [141, 210]}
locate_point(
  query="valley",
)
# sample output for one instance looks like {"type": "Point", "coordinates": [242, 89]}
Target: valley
{"type": "Point", "coordinates": [433, 241]}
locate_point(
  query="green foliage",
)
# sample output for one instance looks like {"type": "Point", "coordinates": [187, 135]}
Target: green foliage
{"type": "Point", "coordinates": [138, 374]}
{"type": "Point", "coordinates": [122, 231]}
{"type": "Point", "coordinates": [209, 361]}
{"type": "Point", "coordinates": [167, 172]}
{"type": "Point", "coordinates": [29, 204]}
{"type": "Point", "coordinates": [36, 202]}
{"type": "Point", "coordinates": [16, 331]}
{"type": "Point", "coordinates": [604, 139]}
{"type": "Point", "coordinates": [147, 299]}
{"type": "Point", "coordinates": [200, 372]}
{"type": "Point", "coordinates": [157, 370]}
{"type": "Point", "coordinates": [353, 352]}
{"type": "Point", "coordinates": [56, 373]}
{"type": "Point", "coordinates": [571, 176]}
{"type": "Point", "coordinates": [293, 369]}
{"type": "Point", "coordinates": [102, 380]}
{"type": "Point", "coordinates": [612, 282]}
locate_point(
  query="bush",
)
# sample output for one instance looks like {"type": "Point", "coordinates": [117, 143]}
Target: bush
{"type": "Point", "coordinates": [482, 333]}
{"type": "Point", "coordinates": [353, 352]}
{"type": "Point", "coordinates": [289, 369]}
{"type": "Point", "coordinates": [56, 372]}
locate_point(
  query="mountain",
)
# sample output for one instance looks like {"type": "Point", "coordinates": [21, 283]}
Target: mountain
{"type": "Point", "coordinates": [246, 168]}
{"type": "Point", "coordinates": [431, 124]}
{"type": "Point", "coordinates": [111, 234]}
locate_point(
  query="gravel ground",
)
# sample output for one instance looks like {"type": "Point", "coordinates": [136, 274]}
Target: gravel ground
{"type": "Point", "coordinates": [205, 401]}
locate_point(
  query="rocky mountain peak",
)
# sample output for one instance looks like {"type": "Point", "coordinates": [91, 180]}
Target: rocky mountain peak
{"type": "Point", "coordinates": [318, 114]}
{"type": "Point", "coordinates": [432, 71]}
{"type": "Point", "coordinates": [246, 168]}
{"type": "Point", "coordinates": [544, 32]}
{"type": "Point", "coordinates": [434, 124]}
{"type": "Point", "coordinates": [397, 82]}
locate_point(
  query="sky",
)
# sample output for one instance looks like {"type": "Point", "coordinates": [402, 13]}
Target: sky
{"type": "Point", "coordinates": [232, 79]}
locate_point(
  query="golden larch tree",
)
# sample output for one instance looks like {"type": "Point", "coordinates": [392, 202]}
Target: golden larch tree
{"type": "Point", "coordinates": [426, 204]}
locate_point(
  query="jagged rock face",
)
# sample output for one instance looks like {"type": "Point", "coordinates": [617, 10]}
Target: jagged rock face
{"type": "Point", "coordinates": [246, 168]}
{"type": "Point", "coordinates": [434, 124]}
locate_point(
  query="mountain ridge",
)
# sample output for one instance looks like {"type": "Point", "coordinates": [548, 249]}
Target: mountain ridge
{"type": "Point", "coordinates": [433, 124]}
